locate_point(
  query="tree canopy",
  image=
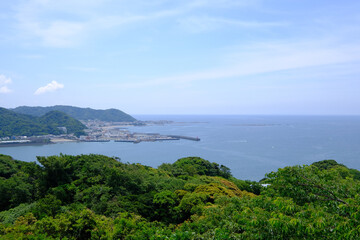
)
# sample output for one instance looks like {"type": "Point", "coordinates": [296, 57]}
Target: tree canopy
{"type": "Point", "coordinates": [99, 197]}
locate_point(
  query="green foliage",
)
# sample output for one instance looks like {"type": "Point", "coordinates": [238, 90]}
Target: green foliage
{"type": "Point", "coordinates": [249, 186]}
{"type": "Point", "coordinates": [326, 164]}
{"type": "Point", "coordinates": [9, 166]}
{"type": "Point", "coordinates": [19, 188]}
{"type": "Point", "coordinates": [48, 206]}
{"type": "Point", "coordinates": [309, 184]}
{"type": "Point", "coordinates": [16, 124]}
{"type": "Point", "coordinates": [95, 197]}
{"type": "Point", "coordinates": [191, 166]}
{"type": "Point", "coordinates": [98, 197]}
{"type": "Point", "coordinates": [56, 119]}
{"type": "Point", "coordinates": [9, 216]}
{"type": "Point", "coordinates": [110, 115]}
{"type": "Point", "coordinates": [165, 203]}
{"type": "Point", "coordinates": [192, 202]}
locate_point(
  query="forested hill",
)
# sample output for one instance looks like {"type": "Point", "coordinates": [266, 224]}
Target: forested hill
{"type": "Point", "coordinates": [98, 197]}
{"type": "Point", "coordinates": [16, 124]}
{"type": "Point", "coordinates": [59, 119]}
{"type": "Point", "coordinates": [109, 115]}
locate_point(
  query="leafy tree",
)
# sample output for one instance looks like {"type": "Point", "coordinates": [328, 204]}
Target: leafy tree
{"type": "Point", "coordinates": [165, 203]}
{"type": "Point", "coordinates": [48, 206]}
{"type": "Point", "coordinates": [191, 166]}
{"type": "Point", "coordinates": [15, 190]}
{"type": "Point", "coordinates": [308, 184]}
{"type": "Point", "coordinates": [326, 164]}
{"type": "Point", "coordinates": [10, 216]}
{"type": "Point", "coordinates": [98, 197]}
{"type": "Point", "coordinates": [57, 170]}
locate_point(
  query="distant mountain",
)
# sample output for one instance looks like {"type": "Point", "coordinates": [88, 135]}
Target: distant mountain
{"type": "Point", "coordinates": [109, 115]}
{"type": "Point", "coordinates": [17, 124]}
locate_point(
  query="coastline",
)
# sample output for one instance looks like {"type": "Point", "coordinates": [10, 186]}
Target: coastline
{"type": "Point", "coordinates": [61, 140]}
{"type": "Point", "coordinates": [52, 141]}
{"type": "Point", "coordinates": [23, 144]}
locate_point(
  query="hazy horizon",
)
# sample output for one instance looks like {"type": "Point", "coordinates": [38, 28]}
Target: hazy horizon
{"type": "Point", "coordinates": [205, 57]}
{"type": "Point", "coordinates": [204, 114]}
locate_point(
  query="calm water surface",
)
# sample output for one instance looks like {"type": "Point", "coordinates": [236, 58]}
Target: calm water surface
{"type": "Point", "coordinates": [249, 145]}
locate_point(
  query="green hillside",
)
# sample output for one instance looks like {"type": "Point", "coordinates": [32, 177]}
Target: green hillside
{"type": "Point", "coordinates": [59, 119]}
{"type": "Point", "coordinates": [16, 124]}
{"type": "Point", "coordinates": [98, 197]}
{"type": "Point", "coordinates": [109, 115]}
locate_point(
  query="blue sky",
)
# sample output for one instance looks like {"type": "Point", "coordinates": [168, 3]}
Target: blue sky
{"type": "Point", "coordinates": [182, 57]}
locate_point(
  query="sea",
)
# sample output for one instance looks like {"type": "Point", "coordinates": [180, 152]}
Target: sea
{"type": "Point", "coordinates": [250, 146]}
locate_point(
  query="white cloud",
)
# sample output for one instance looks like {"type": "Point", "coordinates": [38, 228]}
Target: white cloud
{"type": "Point", "coordinates": [4, 81]}
{"type": "Point", "coordinates": [4, 89]}
{"type": "Point", "coordinates": [51, 87]}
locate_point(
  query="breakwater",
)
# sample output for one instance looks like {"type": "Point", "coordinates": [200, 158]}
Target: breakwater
{"type": "Point", "coordinates": [96, 140]}
{"type": "Point", "coordinates": [185, 137]}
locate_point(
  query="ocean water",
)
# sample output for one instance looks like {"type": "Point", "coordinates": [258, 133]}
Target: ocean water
{"type": "Point", "coordinates": [250, 146]}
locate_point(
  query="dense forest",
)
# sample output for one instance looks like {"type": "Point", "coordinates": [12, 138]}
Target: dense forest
{"type": "Point", "coordinates": [16, 124]}
{"type": "Point", "coordinates": [98, 197]}
{"type": "Point", "coordinates": [109, 115]}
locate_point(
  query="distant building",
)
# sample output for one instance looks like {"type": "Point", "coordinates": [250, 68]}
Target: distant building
{"type": "Point", "coordinates": [63, 129]}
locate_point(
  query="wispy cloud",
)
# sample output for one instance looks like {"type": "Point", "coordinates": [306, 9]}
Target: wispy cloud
{"type": "Point", "coordinates": [40, 19]}
{"type": "Point", "coordinates": [33, 20]}
{"type": "Point", "coordinates": [205, 23]}
{"type": "Point", "coordinates": [55, 33]}
{"type": "Point", "coordinates": [4, 81]}
{"type": "Point", "coordinates": [51, 87]}
{"type": "Point", "coordinates": [52, 22]}
{"type": "Point", "coordinates": [223, 3]}
{"type": "Point", "coordinates": [264, 58]}
{"type": "Point", "coordinates": [60, 33]}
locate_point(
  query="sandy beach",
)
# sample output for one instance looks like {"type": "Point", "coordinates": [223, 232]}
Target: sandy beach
{"type": "Point", "coordinates": [60, 140]}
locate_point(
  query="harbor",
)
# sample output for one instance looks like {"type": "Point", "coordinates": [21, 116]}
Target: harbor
{"type": "Point", "coordinates": [99, 131]}
{"type": "Point", "coordinates": [142, 137]}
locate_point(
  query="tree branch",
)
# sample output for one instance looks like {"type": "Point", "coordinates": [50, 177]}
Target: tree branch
{"type": "Point", "coordinates": [330, 195]}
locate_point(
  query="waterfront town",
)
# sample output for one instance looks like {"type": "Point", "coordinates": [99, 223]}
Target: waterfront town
{"type": "Point", "coordinates": [100, 131]}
